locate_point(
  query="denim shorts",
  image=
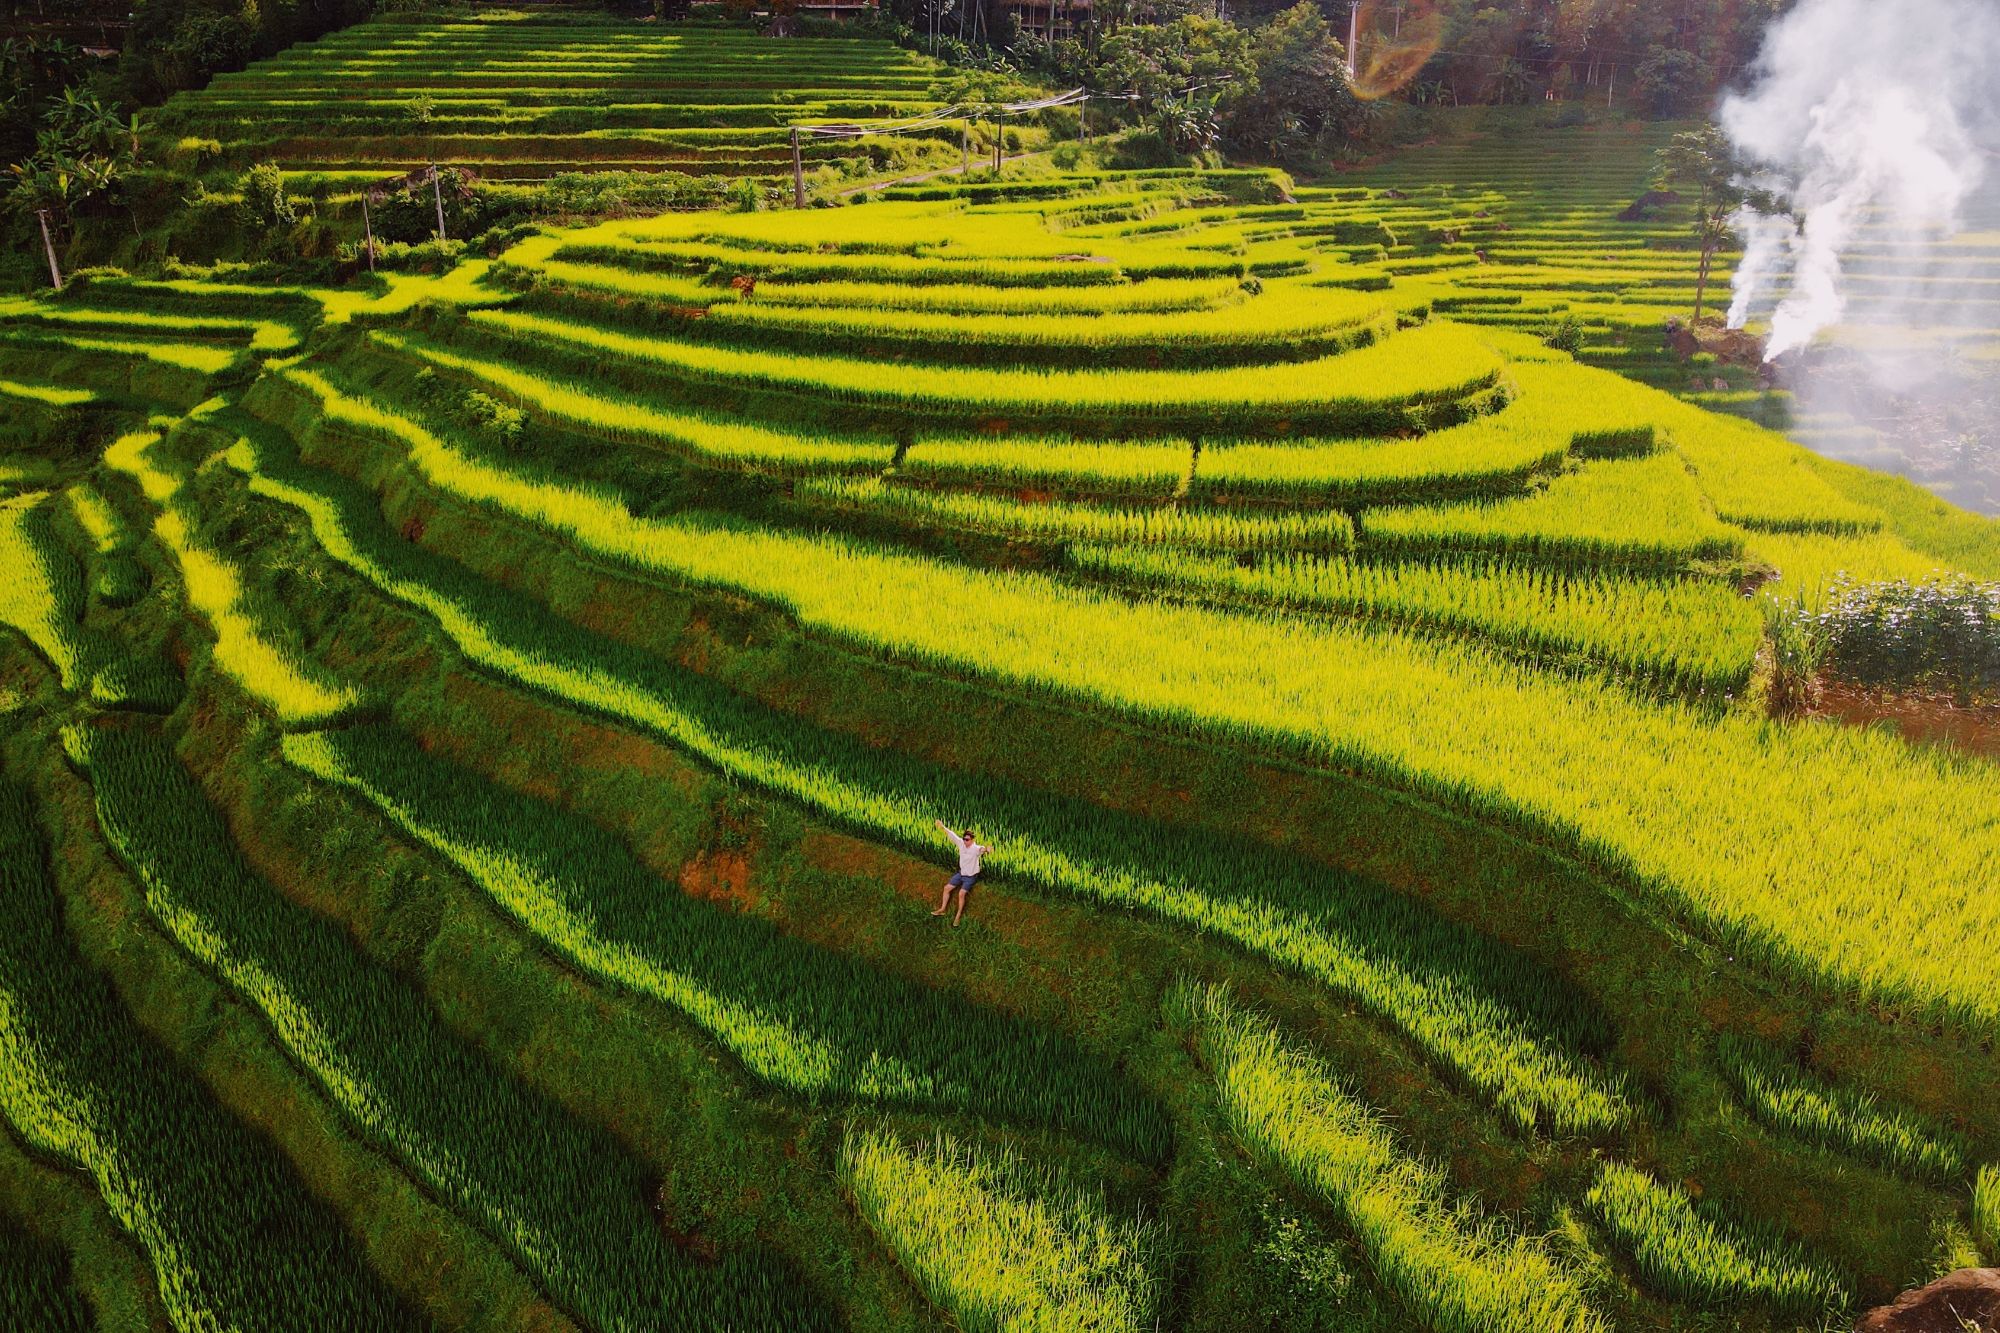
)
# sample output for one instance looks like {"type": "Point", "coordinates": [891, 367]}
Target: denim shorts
{"type": "Point", "coordinates": [963, 883]}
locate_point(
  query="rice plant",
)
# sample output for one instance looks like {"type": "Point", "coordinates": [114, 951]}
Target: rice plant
{"type": "Point", "coordinates": [1453, 1270]}
{"type": "Point", "coordinates": [243, 651]}
{"type": "Point", "coordinates": [1693, 636]}
{"type": "Point", "coordinates": [37, 1290]}
{"type": "Point", "coordinates": [234, 1238]}
{"type": "Point", "coordinates": [1640, 514]}
{"type": "Point", "coordinates": [1629, 782]}
{"type": "Point", "coordinates": [1687, 1252]}
{"type": "Point", "coordinates": [41, 588]}
{"type": "Point", "coordinates": [1376, 389]}
{"type": "Point", "coordinates": [1004, 1248]}
{"type": "Point", "coordinates": [1172, 526]}
{"type": "Point", "coordinates": [1474, 1011]}
{"type": "Point", "coordinates": [1793, 1102]}
{"type": "Point", "coordinates": [809, 1021]}
{"type": "Point", "coordinates": [1986, 1212]}
{"type": "Point", "coordinates": [564, 1199]}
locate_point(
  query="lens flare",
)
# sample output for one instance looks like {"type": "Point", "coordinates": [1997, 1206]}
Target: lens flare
{"type": "Point", "coordinates": [1398, 38]}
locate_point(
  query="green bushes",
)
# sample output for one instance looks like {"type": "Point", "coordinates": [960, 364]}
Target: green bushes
{"type": "Point", "coordinates": [1941, 634]}
{"type": "Point", "coordinates": [234, 1237]}
{"type": "Point", "coordinates": [812, 1022]}
{"type": "Point", "coordinates": [1684, 1252]}
{"type": "Point", "coordinates": [564, 1199]}
{"type": "Point", "coordinates": [1002, 1247]}
{"type": "Point", "coordinates": [1454, 1271]}
{"type": "Point", "coordinates": [1789, 1100]}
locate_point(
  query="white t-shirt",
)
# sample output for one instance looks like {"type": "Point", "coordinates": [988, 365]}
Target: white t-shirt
{"type": "Point", "coordinates": [969, 853]}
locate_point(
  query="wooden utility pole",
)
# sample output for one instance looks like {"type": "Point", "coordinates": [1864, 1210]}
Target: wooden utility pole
{"type": "Point", "coordinates": [49, 247]}
{"type": "Point", "coordinates": [368, 230]}
{"type": "Point", "coordinates": [1613, 88]}
{"type": "Point", "coordinates": [798, 172]}
{"type": "Point", "coordinates": [999, 138]}
{"type": "Point", "coordinates": [1082, 125]}
{"type": "Point", "coordinates": [965, 149]}
{"type": "Point", "coordinates": [437, 194]}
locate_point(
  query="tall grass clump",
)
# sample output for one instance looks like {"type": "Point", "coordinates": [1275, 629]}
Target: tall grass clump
{"type": "Point", "coordinates": [1455, 1271]}
{"type": "Point", "coordinates": [1685, 1253]}
{"type": "Point", "coordinates": [234, 1238]}
{"type": "Point", "coordinates": [1783, 1096]}
{"type": "Point", "coordinates": [1002, 1247]}
{"type": "Point", "coordinates": [1986, 1212]}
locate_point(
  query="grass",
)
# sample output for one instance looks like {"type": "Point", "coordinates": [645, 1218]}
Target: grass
{"type": "Point", "coordinates": [1986, 1212]}
{"type": "Point", "coordinates": [1000, 1249]}
{"type": "Point", "coordinates": [1687, 1253]}
{"type": "Point", "coordinates": [1452, 1269]}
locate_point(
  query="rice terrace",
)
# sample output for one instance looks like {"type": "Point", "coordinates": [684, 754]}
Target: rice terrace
{"type": "Point", "coordinates": [1000, 665]}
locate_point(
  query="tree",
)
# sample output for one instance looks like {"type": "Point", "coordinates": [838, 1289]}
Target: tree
{"type": "Point", "coordinates": [1699, 164]}
{"type": "Point", "coordinates": [1159, 63]}
{"type": "Point", "coordinates": [1300, 95]}
{"type": "Point", "coordinates": [1668, 79]}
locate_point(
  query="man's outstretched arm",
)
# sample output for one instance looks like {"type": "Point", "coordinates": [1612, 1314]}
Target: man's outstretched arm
{"type": "Point", "coordinates": [948, 833]}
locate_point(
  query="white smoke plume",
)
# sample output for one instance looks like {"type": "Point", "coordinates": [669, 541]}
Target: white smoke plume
{"type": "Point", "coordinates": [1861, 114]}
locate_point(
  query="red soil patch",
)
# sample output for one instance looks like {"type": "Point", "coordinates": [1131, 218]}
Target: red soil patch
{"type": "Point", "coordinates": [1928, 719]}
{"type": "Point", "coordinates": [721, 877]}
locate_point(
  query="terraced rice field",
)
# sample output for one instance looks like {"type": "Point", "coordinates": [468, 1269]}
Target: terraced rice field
{"type": "Point", "coordinates": [526, 95]}
{"type": "Point", "coordinates": [471, 753]}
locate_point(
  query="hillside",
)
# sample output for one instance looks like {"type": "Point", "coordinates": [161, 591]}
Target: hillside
{"type": "Point", "coordinates": [473, 744]}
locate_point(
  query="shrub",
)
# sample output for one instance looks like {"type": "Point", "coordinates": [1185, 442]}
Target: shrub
{"type": "Point", "coordinates": [265, 205]}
